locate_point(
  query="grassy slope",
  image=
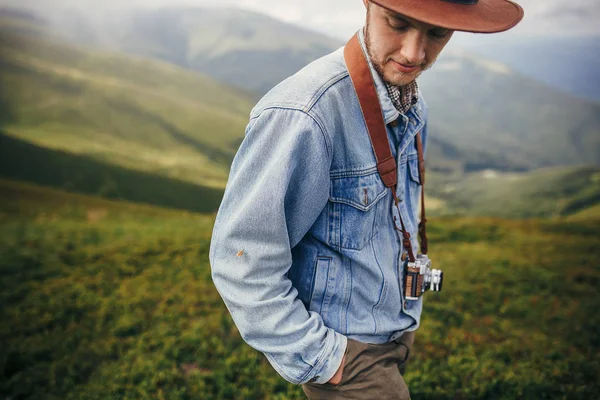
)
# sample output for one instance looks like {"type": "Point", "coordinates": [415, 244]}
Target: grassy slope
{"type": "Point", "coordinates": [26, 202]}
{"type": "Point", "coordinates": [542, 193]}
{"type": "Point", "coordinates": [24, 161]}
{"type": "Point", "coordinates": [112, 300]}
{"type": "Point", "coordinates": [586, 214]}
{"type": "Point", "coordinates": [133, 112]}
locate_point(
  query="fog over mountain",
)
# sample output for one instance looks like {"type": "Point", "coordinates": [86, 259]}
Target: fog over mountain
{"type": "Point", "coordinates": [557, 42]}
{"type": "Point", "coordinates": [339, 18]}
{"type": "Point", "coordinates": [485, 114]}
{"type": "Point", "coordinates": [569, 63]}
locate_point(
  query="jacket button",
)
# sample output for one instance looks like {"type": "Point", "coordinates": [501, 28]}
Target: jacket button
{"type": "Point", "coordinates": [405, 304]}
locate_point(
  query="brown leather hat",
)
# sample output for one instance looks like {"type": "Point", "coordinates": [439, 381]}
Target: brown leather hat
{"type": "Point", "coordinates": [483, 16]}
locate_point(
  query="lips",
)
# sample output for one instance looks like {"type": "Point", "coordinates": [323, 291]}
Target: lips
{"type": "Point", "coordinates": [406, 69]}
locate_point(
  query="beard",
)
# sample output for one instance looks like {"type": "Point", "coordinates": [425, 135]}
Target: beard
{"type": "Point", "coordinates": [401, 79]}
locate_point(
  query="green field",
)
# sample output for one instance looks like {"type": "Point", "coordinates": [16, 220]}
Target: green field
{"type": "Point", "coordinates": [113, 300]}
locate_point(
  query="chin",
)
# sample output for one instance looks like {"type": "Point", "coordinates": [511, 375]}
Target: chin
{"type": "Point", "coordinates": [400, 80]}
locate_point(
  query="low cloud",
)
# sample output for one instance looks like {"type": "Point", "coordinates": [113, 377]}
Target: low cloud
{"type": "Point", "coordinates": [340, 18]}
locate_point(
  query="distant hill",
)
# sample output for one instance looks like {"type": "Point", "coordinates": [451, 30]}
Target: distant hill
{"type": "Point", "coordinates": [246, 49]}
{"type": "Point", "coordinates": [25, 200]}
{"type": "Point", "coordinates": [569, 63]}
{"type": "Point", "coordinates": [242, 48]}
{"type": "Point", "coordinates": [26, 162]}
{"type": "Point", "coordinates": [548, 192]}
{"type": "Point", "coordinates": [133, 112]}
{"type": "Point", "coordinates": [484, 115]}
{"type": "Point", "coordinates": [151, 116]}
{"type": "Point", "coordinates": [587, 214]}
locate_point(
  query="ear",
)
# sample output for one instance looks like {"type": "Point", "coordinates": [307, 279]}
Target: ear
{"type": "Point", "coordinates": [366, 3]}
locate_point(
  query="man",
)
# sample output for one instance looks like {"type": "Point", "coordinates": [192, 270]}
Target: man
{"type": "Point", "coordinates": [305, 250]}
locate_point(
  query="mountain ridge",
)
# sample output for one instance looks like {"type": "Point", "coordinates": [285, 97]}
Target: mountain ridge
{"type": "Point", "coordinates": [138, 113]}
{"type": "Point", "coordinates": [532, 124]}
{"type": "Point", "coordinates": [568, 63]}
{"type": "Point", "coordinates": [256, 57]}
{"type": "Point", "coordinates": [178, 111]}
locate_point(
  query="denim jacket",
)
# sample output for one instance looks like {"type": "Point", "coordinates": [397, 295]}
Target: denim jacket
{"type": "Point", "coordinates": [304, 250]}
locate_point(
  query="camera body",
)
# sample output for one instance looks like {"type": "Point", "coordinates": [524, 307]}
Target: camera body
{"type": "Point", "coordinates": [420, 277]}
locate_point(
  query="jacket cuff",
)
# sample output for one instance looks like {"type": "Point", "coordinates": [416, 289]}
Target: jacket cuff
{"type": "Point", "coordinates": [331, 359]}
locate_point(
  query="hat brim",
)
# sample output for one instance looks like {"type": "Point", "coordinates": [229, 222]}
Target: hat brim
{"type": "Point", "coordinates": [486, 16]}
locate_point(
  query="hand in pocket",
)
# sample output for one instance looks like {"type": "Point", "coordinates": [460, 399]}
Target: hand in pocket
{"type": "Point", "coordinates": [337, 378]}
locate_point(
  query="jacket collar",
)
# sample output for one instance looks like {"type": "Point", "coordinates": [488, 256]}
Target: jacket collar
{"type": "Point", "coordinates": [387, 107]}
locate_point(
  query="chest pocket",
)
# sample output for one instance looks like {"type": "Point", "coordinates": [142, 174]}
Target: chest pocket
{"type": "Point", "coordinates": [413, 187]}
{"type": "Point", "coordinates": [355, 205]}
{"type": "Point", "coordinates": [413, 168]}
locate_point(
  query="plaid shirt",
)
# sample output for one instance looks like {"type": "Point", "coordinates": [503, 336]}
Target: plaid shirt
{"type": "Point", "coordinates": [404, 97]}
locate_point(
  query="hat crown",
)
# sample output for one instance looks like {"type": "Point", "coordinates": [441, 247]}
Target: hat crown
{"type": "Point", "coordinates": [462, 1]}
{"type": "Point", "coordinates": [484, 16]}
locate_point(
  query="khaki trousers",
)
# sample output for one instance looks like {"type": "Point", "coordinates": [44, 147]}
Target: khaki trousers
{"type": "Point", "coordinates": [371, 371]}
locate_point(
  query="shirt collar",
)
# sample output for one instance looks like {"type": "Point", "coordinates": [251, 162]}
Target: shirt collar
{"type": "Point", "coordinates": [403, 97]}
{"type": "Point", "coordinates": [390, 113]}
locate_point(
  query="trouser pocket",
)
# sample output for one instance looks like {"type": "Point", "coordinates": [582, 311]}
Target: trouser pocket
{"type": "Point", "coordinates": [371, 371]}
{"type": "Point", "coordinates": [405, 348]}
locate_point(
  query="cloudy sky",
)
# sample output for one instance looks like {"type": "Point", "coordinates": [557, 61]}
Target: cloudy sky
{"type": "Point", "coordinates": [340, 18]}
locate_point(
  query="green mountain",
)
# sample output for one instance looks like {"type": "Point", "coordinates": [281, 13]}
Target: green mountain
{"type": "Point", "coordinates": [242, 48]}
{"type": "Point", "coordinates": [483, 114]}
{"type": "Point", "coordinates": [568, 62]}
{"type": "Point", "coordinates": [546, 192]}
{"type": "Point", "coordinates": [246, 49]}
{"type": "Point", "coordinates": [24, 161]}
{"type": "Point", "coordinates": [486, 116]}
{"type": "Point", "coordinates": [140, 129]}
{"type": "Point", "coordinates": [137, 113]}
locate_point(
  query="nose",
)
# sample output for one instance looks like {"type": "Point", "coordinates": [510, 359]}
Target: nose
{"type": "Point", "coordinates": [413, 47]}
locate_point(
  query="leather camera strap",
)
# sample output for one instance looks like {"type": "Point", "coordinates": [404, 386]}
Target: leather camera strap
{"type": "Point", "coordinates": [363, 83]}
{"type": "Point", "coordinates": [423, 223]}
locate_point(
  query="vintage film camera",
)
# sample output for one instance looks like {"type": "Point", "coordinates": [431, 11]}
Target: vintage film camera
{"type": "Point", "coordinates": [420, 277]}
